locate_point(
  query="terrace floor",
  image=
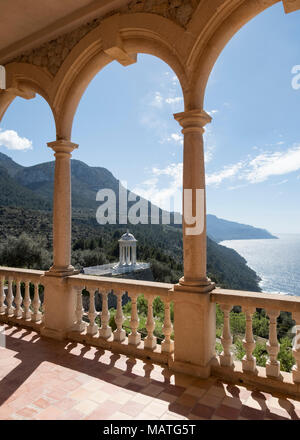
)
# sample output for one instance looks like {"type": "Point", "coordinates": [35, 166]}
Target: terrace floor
{"type": "Point", "coordinates": [45, 379]}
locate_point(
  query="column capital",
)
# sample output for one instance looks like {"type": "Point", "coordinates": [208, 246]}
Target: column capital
{"type": "Point", "coordinates": [193, 120]}
{"type": "Point", "coordinates": [62, 146]}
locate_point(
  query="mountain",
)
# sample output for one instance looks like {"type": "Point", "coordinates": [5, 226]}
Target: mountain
{"type": "Point", "coordinates": [219, 229]}
{"type": "Point", "coordinates": [32, 187]}
{"type": "Point", "coordinates": [26, 203]}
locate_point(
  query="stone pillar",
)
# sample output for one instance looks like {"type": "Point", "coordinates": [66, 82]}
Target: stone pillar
{"type": "Point", "coordinates": [59, 298]}
{"type": "Point", "coordinates": [121, 254]}
{"type": "Point", "coordinates": [134, 254]}
{"type": "Point", "coordinates": [194, 313]}
{"type": "Point", "coordinates": [62, 208]}
{"type": "Point", "coordinates": [194, 241]}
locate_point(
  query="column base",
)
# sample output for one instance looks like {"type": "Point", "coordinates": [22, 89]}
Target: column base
{"type": "Point", "coordinates": [59, 335]}
{"type": "Point", "coordinates": [59, 305]}
{"type": "Point", "coordinates": [194, 331]}
{"type": "Point", "coordinates": [204, 285]}
{"type": "Point", "coordinates": [61, 271]}
{"type": "Point", "coordinates": [203, 372]}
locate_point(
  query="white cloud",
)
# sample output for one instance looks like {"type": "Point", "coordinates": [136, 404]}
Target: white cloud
{"type": "Point", "coordinates": [174, 100]}
{"type": "Point", "coordinates": [209, 153]}
{"type": "Point", "coordinates": [175, 137]}
{"type": "Point", "coordinates": [260, 168]}
{"type": "Point", "coordinates": [227, 172]}
{"type": "Point", "coordinates": [12, 141]}
{"type": "Point", "coordinates": [276, 163]}
{"type": "Point", "coordinates": [213, 112]}
{"type": "Point", "coordinates": [163, 194]}
{"type": "Point", "coordinates": [157, 101]}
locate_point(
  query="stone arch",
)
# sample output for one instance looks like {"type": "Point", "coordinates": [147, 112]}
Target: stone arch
{"type": "Point", "coordinates": [132, 34]}
{"type": "Point", "coordinates": [209, 45]}
{"type": "Point", "coordinates": [25, 80]}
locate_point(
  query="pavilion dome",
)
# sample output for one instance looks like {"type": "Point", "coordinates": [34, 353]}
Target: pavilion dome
{"type": "Point", "coordinates": [127, 237]}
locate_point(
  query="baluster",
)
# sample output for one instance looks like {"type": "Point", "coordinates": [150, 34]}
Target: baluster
{"type": "Point", "coordinates": [27, 302]}
{"type": "Point", "coordinates": [167, 344]}
{"type": "Point", "coordinates": [105, 330]}
{"type": "Point", "coordinates": [18, 300]}
{"type": "Point", "coordinates": [150, 340]}
{"type": "Point", "coordinates": [36, 303]}
{"type": "Point", "coordinates": [2, 295]}
{"type": "Point", "coordinates": [249, 361]}
{"type": "Point", "coordinates": [80, 325]}
{"type": "Point", "coordinates": [296, 349]}
{"type": "Point", "coordinates": [134, 338]}
{"type": "Point", "coordinates": [273, 366]}
{"type": "Point", "coordinates": [43, 310]}
{"type": "Point", "coordinates": [119, 333]}
{"type": "Point", "coordinates": [226, 339]}
{"type": "Point", "coordinates": [10, 298]}
{"type": "Point", "coordinates": [92, 328]}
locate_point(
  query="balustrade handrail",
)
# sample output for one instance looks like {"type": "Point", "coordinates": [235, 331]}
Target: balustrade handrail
{"type": "Point", "coordinates": [261, 300]}
{"type": "Point", "coordinates": [122, 284]}
{"type": "Point", "coordinates": [15, 272]}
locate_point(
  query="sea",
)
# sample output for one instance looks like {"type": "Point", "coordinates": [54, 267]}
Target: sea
{"type": "Point", "coordinates": [276, 261]}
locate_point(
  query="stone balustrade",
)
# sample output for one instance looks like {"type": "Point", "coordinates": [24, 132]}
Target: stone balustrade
{"type": "Point", "coordinates": [21, 297]}
{"type": "Point", "coordinates": [21, 303]}
{"type": "Point", "coordinates": [86, 329]}
{"type": "Point", "coordinates": [270, 377]}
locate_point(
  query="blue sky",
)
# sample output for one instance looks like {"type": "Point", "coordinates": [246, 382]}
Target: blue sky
{"type": "Point", "coordinates": [125, 123]}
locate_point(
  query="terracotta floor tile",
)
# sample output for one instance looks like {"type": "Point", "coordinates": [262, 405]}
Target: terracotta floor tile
{"type": "Point", "coordinates": [80, 394]}
{"type": "Point", "coordinates": [233, 402]}
{"type": "Point", "coordinates": [42, 403]}
{"type": "Point", "coordinates": [50, 413]}
{"type": "Point", "coordinates": [104, 411]}
{"type": "Point", "coordinates": [156, 408]}
{"type": "Point", "coordinates": [27, 412]}
{"type": "Point", "coordinates": [203, 411]}
{"type": "Point", "coordinates": [120, 416]}
{"type": "Point", "coordinates": [251, 413]}
{"type": "Point", "coordinates": [187, 400]}
{"type": "Point", "coordinates": [153, 390]}
{"type": "Point", "coordinates": [81, 382]}
{"type": "Point", "coordinates": [132, 408]}
{"type": "Point", "coordinates": [86, 406]}
{"type": "Point", "coordinates": [175, 390]}
{"type": "Point", "coordinates": [227, 412]}
{"type": "Point", "coordinates": [166, 397]}
{"type": "Point", "coordinates": [210, 400]}
{"type": "Point", "coordinates": [99, 396]}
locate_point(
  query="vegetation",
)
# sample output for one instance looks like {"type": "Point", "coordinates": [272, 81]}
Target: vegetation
{"type": "Point", "coordinates": [261, 333]}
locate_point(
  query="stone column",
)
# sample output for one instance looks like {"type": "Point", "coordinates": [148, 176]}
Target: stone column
{"type": "Point", "coordinates": [121, 254]}
{"type": "Point", "coordinates": [194, 239]}
{"type": "Point", "coordinates": [194, 313]}
{"type": "Point", "coordinates": [62, 208]}
{"type": "Point", "coordinates": [134, 254]}
{"type": "Point", "coordinates": [60, 299]}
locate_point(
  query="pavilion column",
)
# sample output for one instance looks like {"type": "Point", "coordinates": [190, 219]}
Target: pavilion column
{"type": "Point", "coordinates": [194, 313]}
{"type": "Point", "coordinates": [194, 200]}
{"type": "Point", "coordinates": [134, 254]}
{"type": "Point", "coordinates": [60, 300]}
{"type": "Point", "coordinates": [62, 207]}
